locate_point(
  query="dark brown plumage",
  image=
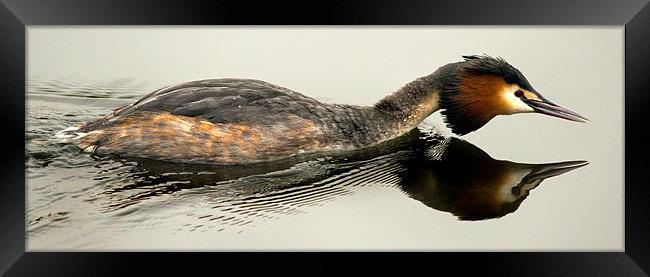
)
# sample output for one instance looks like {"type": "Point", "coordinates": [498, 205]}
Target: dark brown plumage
{"type": "Point", "coordinates": [235, 121]}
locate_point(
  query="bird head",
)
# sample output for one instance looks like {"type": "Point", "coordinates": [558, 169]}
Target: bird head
{"type": "Point", "coordinates": [481, 87]}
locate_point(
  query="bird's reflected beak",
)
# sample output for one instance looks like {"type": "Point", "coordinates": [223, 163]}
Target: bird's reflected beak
{"type": "Point", "coordinates": [543, 171]}
{"type": "Point", "coordinates": [552, 109]}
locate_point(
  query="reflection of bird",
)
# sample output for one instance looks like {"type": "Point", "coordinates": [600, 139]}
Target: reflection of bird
{"type": "Point", "coordinates": [236, 121]}
{"type": "Point", "coordinates": [452, 176]}
{"type": "Point", "coordinates": [468, 183]}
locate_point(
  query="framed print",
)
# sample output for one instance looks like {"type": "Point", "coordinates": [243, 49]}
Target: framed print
{"type": "Point", "coordinates": [504, 135]}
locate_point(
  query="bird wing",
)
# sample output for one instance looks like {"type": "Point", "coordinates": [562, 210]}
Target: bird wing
{"type": "Point", "coordinates": [227, 101]}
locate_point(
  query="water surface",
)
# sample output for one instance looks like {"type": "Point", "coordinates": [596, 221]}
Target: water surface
{"type": "Point", "coordinates": [424, 192]}
{"type": "Point", "coordinates": [83, 201]}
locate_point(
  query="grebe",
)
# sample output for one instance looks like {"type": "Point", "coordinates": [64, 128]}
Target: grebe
{"type": "Point", "coordinates": [241, 121]}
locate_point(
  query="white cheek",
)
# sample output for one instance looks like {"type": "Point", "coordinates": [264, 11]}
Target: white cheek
{"type": "Point", "coordinates": [505, 192]}
{"type": "Point", "coordinates": [515, 104]}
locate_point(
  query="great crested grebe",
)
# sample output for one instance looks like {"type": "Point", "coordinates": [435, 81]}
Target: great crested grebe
{"type": "Point", "coordinates": [240, 121]}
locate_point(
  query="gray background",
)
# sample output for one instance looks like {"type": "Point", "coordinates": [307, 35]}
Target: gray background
{"type": "Point", "coordinates": [578, 67]}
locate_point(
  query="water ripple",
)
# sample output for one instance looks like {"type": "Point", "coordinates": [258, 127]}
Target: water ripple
{"type": "Point", "coordinates": [80, 198]}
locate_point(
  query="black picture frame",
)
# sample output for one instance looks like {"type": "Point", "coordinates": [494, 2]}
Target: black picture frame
{"type": "Point", "coordinates": [15, 15]}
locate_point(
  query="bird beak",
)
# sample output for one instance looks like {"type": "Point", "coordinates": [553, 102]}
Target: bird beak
{"type": "Point", "coordinates": [543, 171]}
{"type": "Point", "coordinates": [547, 107]}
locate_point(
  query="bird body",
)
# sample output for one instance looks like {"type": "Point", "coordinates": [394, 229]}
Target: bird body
{"type": "Point", "coordinates": [240, 121]}
{"type": "Point", "coordinates": [229, 121]}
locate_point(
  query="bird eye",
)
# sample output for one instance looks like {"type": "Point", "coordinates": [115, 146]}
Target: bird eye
{"type": "Point", "coordinates": [519, 93]}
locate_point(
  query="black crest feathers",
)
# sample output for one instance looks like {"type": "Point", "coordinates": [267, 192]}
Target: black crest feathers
{"type": "Point", "coordinates": [485, 65]}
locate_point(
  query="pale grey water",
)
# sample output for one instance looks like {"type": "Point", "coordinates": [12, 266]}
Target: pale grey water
{"type": "Point", "coordinates": [369, 201]}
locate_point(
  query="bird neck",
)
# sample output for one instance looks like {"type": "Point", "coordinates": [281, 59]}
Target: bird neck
{"type": "Point", "coordinates": [412, 103]}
